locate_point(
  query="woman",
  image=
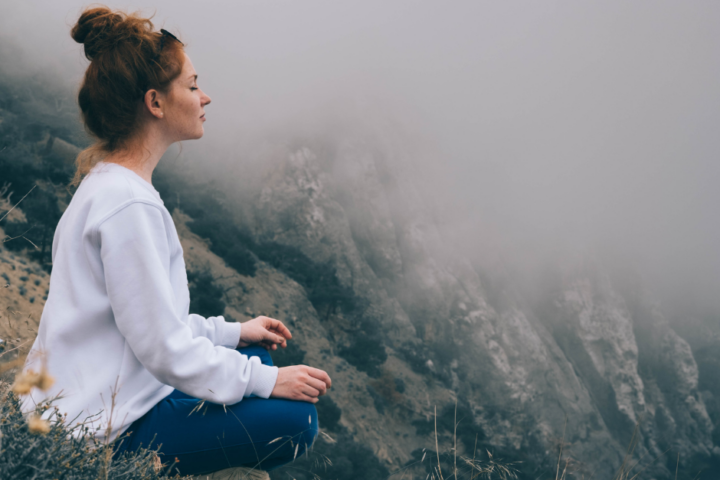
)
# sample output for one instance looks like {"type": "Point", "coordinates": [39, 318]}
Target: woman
{"type": "Point", "coordinates": [115, 332]}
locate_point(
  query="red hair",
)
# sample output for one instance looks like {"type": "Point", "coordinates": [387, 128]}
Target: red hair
{"type": "Point", "coordinates": [127, 58]}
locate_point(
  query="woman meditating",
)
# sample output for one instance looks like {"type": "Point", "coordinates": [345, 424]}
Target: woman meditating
{"type": "Point", "coordinates": [116, 333]}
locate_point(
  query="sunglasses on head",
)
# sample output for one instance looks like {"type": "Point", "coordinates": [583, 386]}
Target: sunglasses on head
{"type": "Point", "coordinates": [165, 34]}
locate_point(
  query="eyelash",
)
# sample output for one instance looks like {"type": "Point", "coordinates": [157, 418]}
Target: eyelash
{"type": "Point", "coordinates": [193, 88]}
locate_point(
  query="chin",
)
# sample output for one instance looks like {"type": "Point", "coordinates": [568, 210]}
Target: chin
{"type": "Point", "coordinates": [195, 135]}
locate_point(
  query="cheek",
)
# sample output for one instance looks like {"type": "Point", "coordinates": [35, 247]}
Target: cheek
{"type": "Point", "coordinates": [193, 108]}
{"type": "Point", "coordinates": [185, 111]}
{"type": "Point", "coordinates": [186, 114]}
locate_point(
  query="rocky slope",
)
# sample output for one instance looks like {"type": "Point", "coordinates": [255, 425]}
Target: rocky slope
{"type": "Point", "coordinates": [338, 239]}
{"type": "Point", "coordinates": [593, 356]}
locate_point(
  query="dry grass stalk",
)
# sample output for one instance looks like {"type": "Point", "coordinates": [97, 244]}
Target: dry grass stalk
{"type": "Point", "coordinates": [3, 192]}
{"type": "Point", "coordinates": [437, 448]}
{"type": "Point", "coordinates": [38, 425]}
{"type": "Point", "coordinates": [455, 442]}
{"type": "Point", "coordinates": [25, 381]}
{"type": "Point", "coordinates": [490, 469]}
{"type": "Point", "coordinates": [18, 362]}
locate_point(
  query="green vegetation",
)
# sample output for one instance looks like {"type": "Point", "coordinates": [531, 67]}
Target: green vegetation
{"type": "Point", "coordinates": [416, 356]}
{"type": "Point", "coordinates": [467, 431]}
{"type": "Point", "coordinates": [206, 297]}
{"type": "Point", "coordinates": [708, 361]}
{"type": "Point", "coordinates": [350, 460]}
{"type": "Point", "coordinates": [35, 122]}
{"type": "Point", "coordinates": [290, 355]}
{"type": "Point", "coordinates": [49, 451]}
{"type": "Point", "coordinates": [329, 414]}
{"type": "Point", "coordinates": [366, 350]}
{"type": "Point", "coordinates": [334, 458]}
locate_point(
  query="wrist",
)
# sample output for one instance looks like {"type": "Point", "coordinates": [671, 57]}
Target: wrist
{"type": "Point", "coordinates": [230, 335]}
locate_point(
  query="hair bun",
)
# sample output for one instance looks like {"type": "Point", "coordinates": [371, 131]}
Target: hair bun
{"type": "Point", "coordinates": [97, 30]}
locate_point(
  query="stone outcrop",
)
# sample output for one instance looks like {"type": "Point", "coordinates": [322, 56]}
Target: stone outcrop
{"type": "Point", "coordinates": [588, 361]}
{"type": "Point", "coordinates": [591, 356]}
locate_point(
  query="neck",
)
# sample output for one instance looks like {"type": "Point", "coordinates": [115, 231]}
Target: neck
{"type": "Point", "coordinates": [143, 154]}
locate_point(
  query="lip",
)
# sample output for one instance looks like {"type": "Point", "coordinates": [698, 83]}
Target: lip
{"type": "Point", "coordinates": [203, 117]}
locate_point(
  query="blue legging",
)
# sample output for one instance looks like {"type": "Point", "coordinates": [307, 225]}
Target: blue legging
{"type": "Point", "coordinates": [213, 437]}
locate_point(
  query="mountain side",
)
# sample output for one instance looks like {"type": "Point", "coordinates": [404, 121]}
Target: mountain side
{"type": "Point", "coordinates": [583, 354]}
{"type": "Point", "coordinates": [337, 237]}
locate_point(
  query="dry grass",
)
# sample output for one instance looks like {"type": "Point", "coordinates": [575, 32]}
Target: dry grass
{"type": "Point", "coordinates": [469, 468]}
{"type": "Point", "coordinates": [32, 447]}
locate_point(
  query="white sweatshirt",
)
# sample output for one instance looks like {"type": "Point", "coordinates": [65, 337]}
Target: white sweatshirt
{"type": "Point", "coordinates": [116, 316]}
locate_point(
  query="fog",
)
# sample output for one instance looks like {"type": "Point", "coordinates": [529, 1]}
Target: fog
{"type": "Point", "coordinates": [549, 126]}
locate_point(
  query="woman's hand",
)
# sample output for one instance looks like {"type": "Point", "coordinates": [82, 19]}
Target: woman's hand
{"type": "Point", "coordinates": [301, 382]}
{"type": "Point", "coordinates": [265, 331]}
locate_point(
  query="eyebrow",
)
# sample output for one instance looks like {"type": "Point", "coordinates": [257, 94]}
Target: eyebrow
{"type": "Point", "coordinates": [193, 76]}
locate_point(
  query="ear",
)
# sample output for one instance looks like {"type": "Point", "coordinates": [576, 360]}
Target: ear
{"type": "Point", "coordinates": [154, 102]}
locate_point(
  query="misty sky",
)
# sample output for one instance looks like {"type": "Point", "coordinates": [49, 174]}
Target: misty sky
{"type": "Point", "coordinates": [554, 124]}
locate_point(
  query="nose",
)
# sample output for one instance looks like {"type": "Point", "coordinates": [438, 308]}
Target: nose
{"type": "Point", "coordinates": [206, 100]}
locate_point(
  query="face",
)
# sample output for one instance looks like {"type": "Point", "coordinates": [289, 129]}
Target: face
{"type": "Point", "coordinates": [184, 110]}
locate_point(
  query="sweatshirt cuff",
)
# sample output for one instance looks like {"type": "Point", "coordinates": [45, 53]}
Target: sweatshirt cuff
{"type": "Point", "coordinates": [230, 334]}
{"type": "Point", "coordinates": [263, 380]}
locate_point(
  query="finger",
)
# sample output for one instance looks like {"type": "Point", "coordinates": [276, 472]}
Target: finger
{"type": "Point", "coordinates": [318, 385]}
{"type": "Point", "coordinates": [268, 345]}
{"type": "Point", "coordinates": [279, 327]}
{"type": "Point", "coordinates": [284, 331]}
{"type": "Point", "coordinates": [273, 335]}
{"type": "Point", "coordinates": [305, 398]}
{"type": "Point", "coordinates": [310, 391]}
{"type": "Point", "coordinates": [320, 375]}
{"type": "Point", "coordinates": [272, 338]}
{"type": "Point", "coordinates": [279, 339]}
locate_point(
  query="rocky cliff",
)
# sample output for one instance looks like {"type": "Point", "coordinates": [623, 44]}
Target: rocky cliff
{"type": "Point", "coordinates": [589, 362]}
{"type": "Point", "coordinates": [339, 239]}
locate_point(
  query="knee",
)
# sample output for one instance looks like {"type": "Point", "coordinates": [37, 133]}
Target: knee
{"type": "Point", "coordinates": [257, 351]}
{"type": "Point", "coordinates": [304, 423]}
{"type": "Point", "coordinates": [299, 427]}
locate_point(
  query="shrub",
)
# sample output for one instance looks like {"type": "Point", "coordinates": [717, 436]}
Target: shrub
{"type": "Point", "coordinates": [36, 234]}
{"type": "Point", "coordinates": [290, 355]}
{"type": "Point", "coordinates": [226, 240]}
{"type": "Point", "coordinates": [378, 399]}
{"type": "Point", "coordinates": [205, 295]}
{"type": "Point", "coordinates": [328, 414]}
{"type": "Point", "coordinates": [31, 123]}
{"type": "Point", "coordinates": [416, 356]}
{"type": "Point", "coordinates": [387, 387]}
{"type": "Point", "coordinates": [348, 460]}
{"type": "Point", "coordinates": [366, 350]}
{"type": "Point", "coordinates": [56, 454]}
{"type": "Point", "coordinates": [467, 430]}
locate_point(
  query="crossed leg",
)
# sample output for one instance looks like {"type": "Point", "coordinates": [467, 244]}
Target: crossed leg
{"type": "Point", "coordinates": [207, 437]}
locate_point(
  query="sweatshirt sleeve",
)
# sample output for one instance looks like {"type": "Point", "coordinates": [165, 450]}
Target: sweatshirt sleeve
{"type": "Point", "coordinates": [135, 252]}
{"type": "Point", "coordinates": [216, 329]}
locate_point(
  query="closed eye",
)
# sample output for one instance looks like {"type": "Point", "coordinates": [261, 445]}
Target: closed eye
{"type": "Point", "coordinates": [193, 88]}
